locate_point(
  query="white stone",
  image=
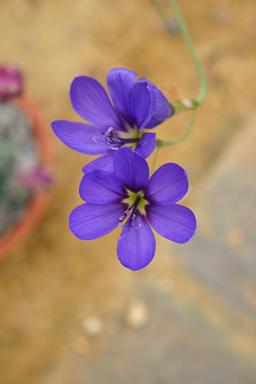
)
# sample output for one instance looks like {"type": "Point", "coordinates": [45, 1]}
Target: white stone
{"type": "Point", "coordinates": [92, 325]}
{"type": "Point", "coordinates": [137, 314]}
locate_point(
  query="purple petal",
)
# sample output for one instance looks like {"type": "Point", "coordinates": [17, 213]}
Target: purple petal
{"type": "Point", "coordinates": [163, 109]}
{"type": "Point", "coordinates": [146, 144]}
{"type": "Point", "coordinates": [81, 137]}
{"type": "Point", "coordinates": [90, 101]}
{"type": "Point", "coordinates": [120, 82]}
{"type": "Point", "coordinates": [104, 163]}
{"type": "Point", "coordinates": [101, 187]}
{"type": "Point", "coordinates": [131, 168]}
{"type": "Point", "coordinates": [142, 104]}
{"type": "Point", "coordinates": [167, 185]}
{"type": "Point", "coordinates": [136, 245]}
{"type": "Point", "coordinates": [90, 221]}
{"type": "Point", "coordinates": [175, 222]}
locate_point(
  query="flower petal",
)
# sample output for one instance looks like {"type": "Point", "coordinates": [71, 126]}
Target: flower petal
{"type": "Point", "coordinates": [90, 221]}
{"type": "Point", "coordinates": [81, 137]}
{"type": "Point", "coordinates": [90, 101]}
{"type": "Point", "coordinates": [131, 168]}
{"type": "Point", "coordinates": [101, 187]}
{"type": "Point", "coordinates": [163, 109]}
{"type": "Point", "coordinates": [175, 222]}
{"type": "Point", "coordinates": [104, 163]}
{"type": "Point", "coordinates": [167, 185]}
{"type": "Point", "coordinates": [146, 144]}
{"type": "Point", "coordinates": [120, 82]}
{"type": "Point", "coordinates": [136, 245]}
{"type": "Point", "coordinates": [142, 104]}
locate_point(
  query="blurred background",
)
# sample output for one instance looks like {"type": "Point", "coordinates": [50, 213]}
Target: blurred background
{"type": "Point", "coordinates": [69, 312]}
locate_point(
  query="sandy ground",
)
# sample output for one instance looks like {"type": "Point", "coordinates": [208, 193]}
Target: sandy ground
{"type": "Point", "coordinates": [52, 283]}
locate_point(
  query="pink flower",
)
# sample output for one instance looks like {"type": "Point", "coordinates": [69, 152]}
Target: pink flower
{"type": "Point", "coordinates": [11, 82]}
{"type": "Point", "coordinates": [37, 179]}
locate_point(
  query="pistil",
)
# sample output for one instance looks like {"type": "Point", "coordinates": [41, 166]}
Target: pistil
{"type": "Point", "coordinates": [129, 213]}
{"type": "Point", "coordinates": [115, 141]}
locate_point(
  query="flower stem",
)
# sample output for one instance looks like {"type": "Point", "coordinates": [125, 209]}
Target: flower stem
{"type": "Point", "coordinates": [198, 100]}
{"type": "Point", "coordinates": [183, 136]}
{"type": "Point", "coordinates": [187, 104]}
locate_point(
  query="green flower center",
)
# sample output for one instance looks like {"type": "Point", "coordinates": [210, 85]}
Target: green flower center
{"type": "Point", "coordinates": [136, 202]}
{"type": "Point", "coordinates": [130, 137]}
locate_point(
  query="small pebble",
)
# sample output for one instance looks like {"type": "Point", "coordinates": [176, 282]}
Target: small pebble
{"type": "Point", "coordinates": [137, 315]}
{"type": "Point", "coordinates": [92, 325]}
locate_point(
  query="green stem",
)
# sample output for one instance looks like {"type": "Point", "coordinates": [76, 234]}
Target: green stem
{"type": "Point", "coordinates": [183, 136]}
{"type": "Point", "coordinates": [198, 100]}
{"type": "Point", "coordinates": [165, 143]}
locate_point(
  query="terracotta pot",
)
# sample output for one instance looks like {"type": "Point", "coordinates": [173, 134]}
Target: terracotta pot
{"type": "Point", "coordinates": [23, 228]}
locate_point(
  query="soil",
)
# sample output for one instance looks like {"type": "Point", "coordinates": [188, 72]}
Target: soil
{"type": "Point", "coordinates": [51, 285]}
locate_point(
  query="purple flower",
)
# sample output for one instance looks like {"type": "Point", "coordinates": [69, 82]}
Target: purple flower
{"type": "Point", "coordinates": [11, 83]}
{"type": "Point", "coordinates": [129, 198]}
{"type": "Point", "coordinates": [136, 104]}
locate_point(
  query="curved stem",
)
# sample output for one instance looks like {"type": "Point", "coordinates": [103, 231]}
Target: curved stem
{"type": "Point", "coordinates": [183, 136]}
{"type": "Point", "coordinates": [198, 100]}
{"type": "Point", "coordinates": [165, 143]}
